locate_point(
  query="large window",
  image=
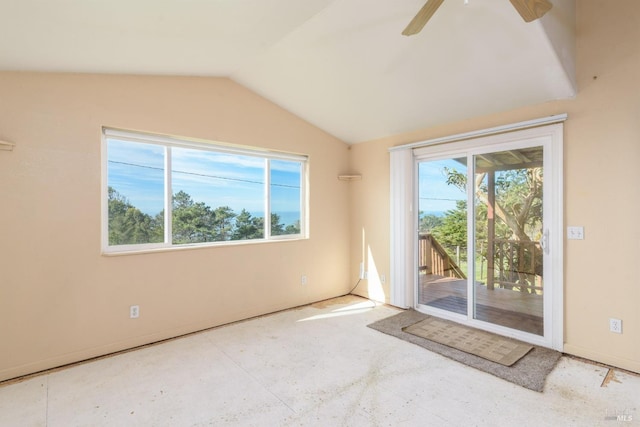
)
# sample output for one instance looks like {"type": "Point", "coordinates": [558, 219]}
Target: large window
{"type": "Point", "coordinates": [162, 192]}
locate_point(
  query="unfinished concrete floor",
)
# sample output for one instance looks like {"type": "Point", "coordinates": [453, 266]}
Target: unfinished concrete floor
{"type": "Point", "coordinates": [318, 365]}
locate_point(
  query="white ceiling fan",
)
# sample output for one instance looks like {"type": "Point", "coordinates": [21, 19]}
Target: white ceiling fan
{"type": "Point", "coordinates": [529, 10]}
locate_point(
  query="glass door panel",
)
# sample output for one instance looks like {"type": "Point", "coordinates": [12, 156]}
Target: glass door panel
{"type": "Point", "coordinates": [508, 259]}
{"type": "Point", "coordinates": [442, 234]}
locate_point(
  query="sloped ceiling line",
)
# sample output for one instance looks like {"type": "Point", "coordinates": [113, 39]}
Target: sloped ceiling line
{"type": "Point", "coordinates": [342, 65]}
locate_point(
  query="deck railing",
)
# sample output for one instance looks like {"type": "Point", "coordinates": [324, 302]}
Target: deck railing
{"type": "Point", "coordinates": [517, 265]}
{"type": "Point", "coordinates": [434, 259]}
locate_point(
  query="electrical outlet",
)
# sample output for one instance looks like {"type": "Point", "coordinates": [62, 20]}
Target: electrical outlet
{"type": "Point", "coordinates": [615, 325]}
{"type": "Point", "coordinates": [134, 311]}
{"type": "Point", "coordinates": [362, 272]}
{"type": "Point", "coordinates": [383, 278]}
{"type": "Point", "coordinates": [303, 280]}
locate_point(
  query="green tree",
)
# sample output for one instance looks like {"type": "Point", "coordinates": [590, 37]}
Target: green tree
{"type": "Point", "coordinates": [193, 222]}
{"type": "Point", "coordinates": [452, 230]}
{"type": "Point", "coordinates": [293, 228]}
{"type": "Point", "coordinates": [277, 228]}
{"type": "Point", "coordinates": [128, 225]}
{"type": "Point", "coordinates": [223, 223]}
{"type": "Point", "coordinates": [518, 218]}
{"type": "Point", "coordinates": [428, 222]}
{"type": "Point", "coordinates": [519, 195]}
{"type": "Point", "coordinates": [118, 206]}
{"type": "Point", "coordinates": [247, 227]}
{"type": "Point", "coordinates": [518, 200]}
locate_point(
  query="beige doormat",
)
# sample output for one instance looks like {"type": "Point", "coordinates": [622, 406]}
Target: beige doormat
{"type": "Point", "coordinates": [496, 348]}
{"type": "Point", "coordinates": [530, 371]}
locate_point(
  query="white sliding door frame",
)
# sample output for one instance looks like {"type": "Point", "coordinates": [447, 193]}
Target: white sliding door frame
{"type": "Point", "coordinates": [404, 221]}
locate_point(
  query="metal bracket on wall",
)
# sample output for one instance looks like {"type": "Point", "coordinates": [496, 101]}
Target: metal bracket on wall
{"type": "Point", "coordinates": [352, 177]}
{"type": "Point", "coordinates": [6, 146]}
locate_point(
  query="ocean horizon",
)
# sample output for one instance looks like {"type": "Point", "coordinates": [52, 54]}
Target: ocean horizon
{"type": "Point", "coordinates": [286, 218]}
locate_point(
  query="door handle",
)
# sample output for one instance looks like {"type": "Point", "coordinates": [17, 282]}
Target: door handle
{"type": "Point", "coordinates": [544, 242]}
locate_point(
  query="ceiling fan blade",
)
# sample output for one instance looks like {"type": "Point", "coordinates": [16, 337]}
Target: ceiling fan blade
{"type": "Point", "coordinates": [530, 10]}
{"type": "Point", "coordinates": [418, 22]}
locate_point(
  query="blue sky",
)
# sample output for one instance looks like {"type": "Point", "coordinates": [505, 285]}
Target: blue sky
{"type": "Point", "coordinates": [136, 170]}
{"type": "Point", "coordinates": [435, 195]}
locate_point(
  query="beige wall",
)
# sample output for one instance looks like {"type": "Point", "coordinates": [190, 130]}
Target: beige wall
{"type": "Point", "coordinates": [61, 300]}
{"type": "Point", "coordinates": [602, 184]}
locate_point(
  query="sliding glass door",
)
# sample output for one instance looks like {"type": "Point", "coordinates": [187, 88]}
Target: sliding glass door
{"type": "Point", "coordinates": [442, 234]}
{"type": "Point", "coordinates": [482, 236]}
{"type": "Point", "coordinates": [509, 238]}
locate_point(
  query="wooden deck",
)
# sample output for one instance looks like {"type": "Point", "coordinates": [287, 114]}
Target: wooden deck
{"type": "Point", "coordinates": [513, 309]}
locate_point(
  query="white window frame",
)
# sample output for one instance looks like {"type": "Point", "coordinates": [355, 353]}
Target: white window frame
{"type": "Point", "coordinates": [168, 142]}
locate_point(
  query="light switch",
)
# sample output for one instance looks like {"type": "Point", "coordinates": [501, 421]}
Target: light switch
{"type": "Point", "coordinates": [575, 233]}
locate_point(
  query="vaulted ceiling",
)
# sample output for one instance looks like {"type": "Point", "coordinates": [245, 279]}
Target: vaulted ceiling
{"type": "Point", "coordinates": [342, 65]}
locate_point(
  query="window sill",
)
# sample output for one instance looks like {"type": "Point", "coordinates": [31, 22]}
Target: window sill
{"type": "Point", "coordinates": [112, 252]}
